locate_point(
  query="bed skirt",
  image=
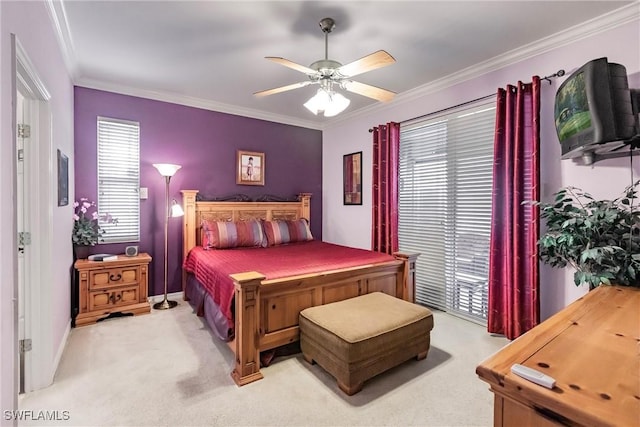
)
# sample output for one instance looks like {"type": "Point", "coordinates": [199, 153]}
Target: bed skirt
{"type": "Point", "coordinates": [205, 306]}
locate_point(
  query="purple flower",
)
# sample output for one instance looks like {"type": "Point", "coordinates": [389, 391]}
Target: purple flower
{"type": "Point", "coordinates": [86, 223]}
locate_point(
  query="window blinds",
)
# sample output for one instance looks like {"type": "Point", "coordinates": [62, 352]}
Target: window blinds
{"type": "Point", "coordinates": [119, 178]}
{"type": "Point", "coordinates": [445, 174]}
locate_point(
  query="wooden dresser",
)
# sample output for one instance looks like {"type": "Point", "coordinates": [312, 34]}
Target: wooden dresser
{"type": "Point", "coordinates": [591, 348]}
{"type": "Point", "coordinates": [110, 287]}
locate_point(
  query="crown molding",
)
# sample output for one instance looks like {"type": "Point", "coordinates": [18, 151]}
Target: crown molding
{"type": "Point", "coordinates": [190, 101]}
{"type": "Point", "coordinates": [570, 35]}
{"type": "Point", "coordinates": [573, 34]}
{"type": "Point", "coordinates": [58, 16]}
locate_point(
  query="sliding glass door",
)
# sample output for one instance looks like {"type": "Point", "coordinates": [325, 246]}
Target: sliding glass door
{"type": "Point", "coordinates": [445, 173]}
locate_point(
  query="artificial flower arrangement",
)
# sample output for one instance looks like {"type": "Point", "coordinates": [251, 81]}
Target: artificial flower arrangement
{"type": "Point", "coordinates": [86, 223]}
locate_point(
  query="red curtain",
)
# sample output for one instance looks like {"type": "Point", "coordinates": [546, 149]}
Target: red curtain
{"type": "Point", "coordinates": [514, 306]}
{"type": "Point", "coordinates": [386, 146]}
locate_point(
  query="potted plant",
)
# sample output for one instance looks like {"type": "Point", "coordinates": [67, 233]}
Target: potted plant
{"type": "Point", "coordinates": [599, 238]}
{"type": "Point", "coordinates": [86, 226]}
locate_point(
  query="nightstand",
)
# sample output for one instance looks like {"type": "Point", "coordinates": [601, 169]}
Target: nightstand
{"type": "Point", "coordinates": [110, 288]}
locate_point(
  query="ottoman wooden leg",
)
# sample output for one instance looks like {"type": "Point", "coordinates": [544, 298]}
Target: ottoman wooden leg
{"type": "Point", "coordinates": [350, 390]}
{"type": "Point", "coordinates": [308, 358]}
{"type": "Point", "coordinates": [422, 355]}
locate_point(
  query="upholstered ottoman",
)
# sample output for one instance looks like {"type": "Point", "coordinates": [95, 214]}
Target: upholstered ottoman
{"type": "Point", "coordinates": [359, 338]}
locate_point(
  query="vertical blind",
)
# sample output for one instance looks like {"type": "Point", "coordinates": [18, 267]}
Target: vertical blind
{"type": "Point", "coordinates": [119, 179]}
{"type": "Point", "coordinates": [445, 172]}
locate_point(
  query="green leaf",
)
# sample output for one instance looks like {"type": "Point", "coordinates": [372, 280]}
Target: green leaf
{"type": "Point", "coordinates": [601, 238]}
{"type": "Point", "coordinates": [631, 272]}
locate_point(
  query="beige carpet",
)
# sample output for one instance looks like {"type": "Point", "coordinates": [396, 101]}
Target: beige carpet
{"type": "Point", "coordinates": [165, 368]}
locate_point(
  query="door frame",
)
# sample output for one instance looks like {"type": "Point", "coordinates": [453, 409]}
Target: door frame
{"type": "Point", "coordinates": [39, 362]}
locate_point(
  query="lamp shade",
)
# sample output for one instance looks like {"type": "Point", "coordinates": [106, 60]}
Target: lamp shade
{"type": "Point", "coordinates": [166, 169]}
{"type": "Point", "coordinates": [318, 101]}
{"type": "Point", "coordinates": [329, 103]}
{"type": "Point", "coordinates": [176, 209]}
{"type": "Point", "coordinates": [337, 105]}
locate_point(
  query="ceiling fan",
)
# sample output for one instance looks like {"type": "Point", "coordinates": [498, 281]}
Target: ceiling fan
{"type": "Point", "coordinates": [330, 74]}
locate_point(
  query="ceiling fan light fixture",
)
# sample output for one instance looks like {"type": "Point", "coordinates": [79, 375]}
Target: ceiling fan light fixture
{"type": "Point", "coordinates": [327, 102]}
{"type": "Point", "coordinates": [318, 101]}
{"type": "Point", "coordinates": [328, 72]}
{"type": "Point", "coordinates": [337, 105]}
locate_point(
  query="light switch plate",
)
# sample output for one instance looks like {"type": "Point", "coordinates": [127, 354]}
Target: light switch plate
{"type": "Point", "coordinates": [144, 193]}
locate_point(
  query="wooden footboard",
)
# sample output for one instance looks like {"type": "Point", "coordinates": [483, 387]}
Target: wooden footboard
{"type": "Point", "coordinates": [266, 311]}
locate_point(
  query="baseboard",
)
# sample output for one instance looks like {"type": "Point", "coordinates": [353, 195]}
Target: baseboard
{"type": "Point", "coordinates": [61, 347]}
{"type": "Point", "coordinates": [175, 296]}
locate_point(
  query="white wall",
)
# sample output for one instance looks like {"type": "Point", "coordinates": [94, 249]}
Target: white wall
{"type": "Point", "coordinates": [31, 23]}
{"type": "Point", "coordinates": [351, 225]}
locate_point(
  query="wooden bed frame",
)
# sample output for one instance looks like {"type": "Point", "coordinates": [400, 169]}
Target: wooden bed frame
{"type": "Point", "coordinates": [266, 311]}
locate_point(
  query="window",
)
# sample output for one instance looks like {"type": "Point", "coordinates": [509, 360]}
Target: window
{"type": "Point", "coordinates": [119, 178]}
{"type": "Point", "coordinates": [445, 175]}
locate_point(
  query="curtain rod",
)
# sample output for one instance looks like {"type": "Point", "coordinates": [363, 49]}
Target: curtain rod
{"type": "Point", "coordinates": [446, 109]}
{"type": "Point", "coordinates": [560, 73]}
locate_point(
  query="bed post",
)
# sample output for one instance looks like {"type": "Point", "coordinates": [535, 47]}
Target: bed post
{"type": "Point", "coordinates": [247, 339]}
{"type": "Point", "coordinates": [189, 227]}
{"type": "Point", "coordinates": [409, 288]}
{"type": "Point", "coordinates": [306, 205]}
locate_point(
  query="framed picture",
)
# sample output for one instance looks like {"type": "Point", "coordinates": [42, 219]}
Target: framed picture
{"type": "Point", "coordinates": [63, 179]}
{"type": "Point", "coordinates": [250, 168]}
{"type": "Point", "coordinates": [352, 178]}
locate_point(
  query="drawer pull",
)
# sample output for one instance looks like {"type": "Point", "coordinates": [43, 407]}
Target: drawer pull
{"type": "Point", "coordinates": [552, 416]}
{"type": "Point", "coordinates": [115, 277]}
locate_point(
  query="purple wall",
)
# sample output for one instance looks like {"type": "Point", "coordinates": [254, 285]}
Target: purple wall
{"type": "Point", "coordinates": [204, 142]}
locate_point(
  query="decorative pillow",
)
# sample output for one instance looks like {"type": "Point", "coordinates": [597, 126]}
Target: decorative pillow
{"type": "Point", "coordinates": [280, 231]}
{"type": "Point", "coordinates": [226, 234]}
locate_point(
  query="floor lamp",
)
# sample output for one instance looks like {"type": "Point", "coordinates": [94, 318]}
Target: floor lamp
{"type": "Point", "coordinates": [171, 210]}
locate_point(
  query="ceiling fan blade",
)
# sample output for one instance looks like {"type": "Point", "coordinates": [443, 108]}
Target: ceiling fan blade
{"type": "Point", "coordinates": [370, 62]}
{"type": "Point", "coordinates": [369, 91]}
{"type": "Point", "coordinates": [282, 89]}
{"type": "Point", "coordinates": [291, 64]}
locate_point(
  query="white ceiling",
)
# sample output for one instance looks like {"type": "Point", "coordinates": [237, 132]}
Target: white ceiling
{"type": "Point", "coordinates": [211, 53]}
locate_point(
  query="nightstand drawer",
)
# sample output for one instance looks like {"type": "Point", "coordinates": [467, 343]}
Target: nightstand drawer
{"type": "Point", "coordinates": [113, 298]}
{"type": "Point", "coordinates": [108, 278]}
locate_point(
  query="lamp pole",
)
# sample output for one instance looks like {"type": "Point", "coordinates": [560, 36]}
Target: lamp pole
{"type": "Point", "coordinates": [166, 170]}
{"type": "Point", "coordinates": [166, 304]}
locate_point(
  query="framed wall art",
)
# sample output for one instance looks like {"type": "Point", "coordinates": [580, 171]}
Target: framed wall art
{"type": "Point", "coordinates": [63, 179]}
{"type": "Point", "coordinates": [250, 168]}
{"type": "Point", "coordinates": [352, 178]}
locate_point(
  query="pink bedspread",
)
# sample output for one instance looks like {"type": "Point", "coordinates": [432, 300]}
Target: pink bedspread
{"type": "Point", "coordinates": [213, 267]}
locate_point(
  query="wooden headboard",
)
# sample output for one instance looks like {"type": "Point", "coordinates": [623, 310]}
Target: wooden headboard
{"type": "Point", "coordinates": [195, 211]}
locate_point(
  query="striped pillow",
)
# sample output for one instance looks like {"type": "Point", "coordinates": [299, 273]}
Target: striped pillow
{"type": "Point", "coordinates": [226, 234]}
{"type": "Point", "coordinates": [280, 231]}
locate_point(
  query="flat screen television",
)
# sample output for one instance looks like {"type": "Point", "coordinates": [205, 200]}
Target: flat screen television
{"type": "Point", "coordinates": [593, 110]}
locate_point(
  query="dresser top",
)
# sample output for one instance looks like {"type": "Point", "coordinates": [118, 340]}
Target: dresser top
{"type": "Point", "coordinates": [591, 348]}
